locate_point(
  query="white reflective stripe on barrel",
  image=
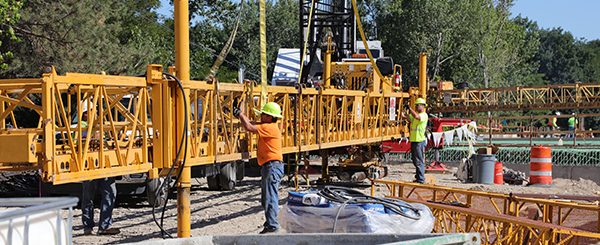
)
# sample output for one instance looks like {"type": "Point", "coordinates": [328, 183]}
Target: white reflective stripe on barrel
{"type": "Point", "coordinates": [541, 159]}
{"type": "Point", "coordinates": [540, 173]}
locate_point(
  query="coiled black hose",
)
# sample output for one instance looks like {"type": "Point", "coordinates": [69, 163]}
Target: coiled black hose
{"type": "Point", "coordinates": [347, 196]}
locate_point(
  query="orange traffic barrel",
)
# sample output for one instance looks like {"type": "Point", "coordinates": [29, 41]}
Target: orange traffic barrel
{"type": "Point", "coordinates": [498, 174]}
{"type": "Point", "coordinates": [540, 168]}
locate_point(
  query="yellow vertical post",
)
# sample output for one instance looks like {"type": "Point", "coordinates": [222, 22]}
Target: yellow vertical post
{"type": "Point", "coordinates": [48, 124]}
{"type": "Point", "coordinates": [327, 65]}
{"type": "Point", "coordinates": [263, 53]}
{"type": "Point", "coordinates": [423, 75]}
{"type": "Point", "coordinates": [2, 105]}
{"type": "Point", "coordinates": [182, 62]}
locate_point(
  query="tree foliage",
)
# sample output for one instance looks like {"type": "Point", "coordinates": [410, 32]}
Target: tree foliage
{"type": "Point", "coordinates": [9, 14]}
{"type": "Point", "coordinates": [470, 41]}
{"type": "Point", "coordinates": [83, 36]}
{"type": "Point", "coordinates": [212, 33]}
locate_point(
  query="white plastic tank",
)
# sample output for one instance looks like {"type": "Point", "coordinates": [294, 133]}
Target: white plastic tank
{"type": "Point", "coordinates": [36, 220]}
{"type": "Point", "coordinates": [43, 229]}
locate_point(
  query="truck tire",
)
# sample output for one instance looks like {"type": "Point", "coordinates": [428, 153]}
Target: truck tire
{"type": "Point", "coordinates": [213, 182]}
{"type": "Point", "coordinates": [228, 176]}
{"type": "Point", "coordinates": [240, 170]}
{"type": "Point", "coordinates": [155, 196]}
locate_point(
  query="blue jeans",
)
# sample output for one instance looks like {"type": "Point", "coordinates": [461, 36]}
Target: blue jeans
{"type": "Point", "coordinates": [272, 172]}
{"type": "Point", "coordinates": [573, 134]}
{"type": "Point", "coordinates": [416, 150]}
{"type": "Point", "coordinates": [550, 128]}
{"type": "Point", "coordinates": [108, 191]}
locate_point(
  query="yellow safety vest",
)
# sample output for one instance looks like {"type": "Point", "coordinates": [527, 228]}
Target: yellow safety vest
{"type": "Point", "coordinates": [418, 127]}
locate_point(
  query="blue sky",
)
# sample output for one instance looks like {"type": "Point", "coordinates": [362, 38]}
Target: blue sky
{"type": "Point", "coordinates": [580, 17]}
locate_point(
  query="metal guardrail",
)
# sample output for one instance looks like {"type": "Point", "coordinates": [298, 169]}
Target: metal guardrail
{"type": "Point", "coordinates": [36, 206]}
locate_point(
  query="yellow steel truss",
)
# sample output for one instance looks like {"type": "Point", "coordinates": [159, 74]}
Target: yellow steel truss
{"type": "Point", "coordinates": [133, 123]}
{"type": "Point", "coordinates": [313, 119]}
{"type": "Point", "coordinates": [501, 218]}
{"type": "Point", "coordinates": [115, 140]}
{"type": "Point", "coordinates": [559, 96]}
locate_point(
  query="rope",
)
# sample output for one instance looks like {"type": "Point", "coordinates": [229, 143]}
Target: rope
{"type": "Point", "coordinates": [227, 47]}
{"type": "Point", "coordinates": [312, 6]}
{"type": "Point", "coordinates": [362, 34]}
{"type": "Point", "coordinates": [133, 9]}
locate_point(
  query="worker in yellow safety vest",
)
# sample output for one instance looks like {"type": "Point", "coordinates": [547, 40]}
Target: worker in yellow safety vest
{"type": "Point", "coordinates": [418, 124]}
{"type": "Point", "coordinates": [572, 124]}
{"type": "Point", "coordinates": [551, 125]}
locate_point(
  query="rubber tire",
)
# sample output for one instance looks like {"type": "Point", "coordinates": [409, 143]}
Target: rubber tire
{"type": "Point", "coordinates": [240, 170]}
{"type": "Point", "coordinates": [213, 182]}
{"type": "Point", "coordinates": [151, 189]}
{"type": "Point", "coordinates": [228, 176]}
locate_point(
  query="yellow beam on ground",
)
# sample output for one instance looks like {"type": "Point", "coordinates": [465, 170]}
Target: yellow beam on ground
{"type": "Point", "coordinates": [495, 204]}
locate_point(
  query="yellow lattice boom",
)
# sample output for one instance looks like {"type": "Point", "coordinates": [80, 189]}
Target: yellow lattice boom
{"type": "Point", "coordinates": [132, 124]}
{"type": "Point", "coordinates": [542, 97]}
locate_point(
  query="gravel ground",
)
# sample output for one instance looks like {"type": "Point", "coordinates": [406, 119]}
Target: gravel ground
{"type": "Point", "coordinates": [240, 212]}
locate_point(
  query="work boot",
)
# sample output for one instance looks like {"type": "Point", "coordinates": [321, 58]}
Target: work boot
{"type": "Point", "coordinates": [266, 231]}
{"type": "Point", "coordinates": [88, 231]}
{"type": "Point", "coordinates": [109, 231]}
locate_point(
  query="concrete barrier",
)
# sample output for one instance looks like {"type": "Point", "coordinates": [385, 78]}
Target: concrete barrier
{"type": "Point", "coordinates": [325, 239]}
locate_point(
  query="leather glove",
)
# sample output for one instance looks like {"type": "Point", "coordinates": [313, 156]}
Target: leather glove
{"type": "Point", "coordinates": [406, 106]}
{"type": "Point", "coordinates": [236, 112]}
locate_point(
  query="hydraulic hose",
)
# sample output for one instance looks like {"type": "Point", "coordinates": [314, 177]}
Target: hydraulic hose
{"type": "Point", "coordinates": [347, 196]}
{"type": "Point", "coordinates": [167, 181]}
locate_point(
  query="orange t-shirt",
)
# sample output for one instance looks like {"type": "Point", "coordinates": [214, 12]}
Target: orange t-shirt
{"type": "Point", "coordinates": [269, 143]}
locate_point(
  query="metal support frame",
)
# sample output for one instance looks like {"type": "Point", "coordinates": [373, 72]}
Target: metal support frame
{"type": "Point", "coordinates": [115, 140]}
{"type": "Point", "coordinates": [531, 131]}
{"type": "Point", "coordinates": [542, 97]}
{"type": "Point", "coordinates": [502, 229]}
{"type": "Point", "coordinates": [561, 217]}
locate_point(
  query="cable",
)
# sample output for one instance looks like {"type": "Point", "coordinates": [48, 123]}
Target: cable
{"type": "Point", "coordinates": [347, 196]}
{"type": "Point", "coordinates": [173, 32]}
{"type": "Point", "coordinates": [167, 180]}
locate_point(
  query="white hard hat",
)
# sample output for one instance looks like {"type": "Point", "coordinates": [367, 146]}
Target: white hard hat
{"type": "Point", "coordinates": [573, 114]}
{"type": "Point", "coordinates": [84, 106]}
{"type": "Point", "coordinates": [558, 113]}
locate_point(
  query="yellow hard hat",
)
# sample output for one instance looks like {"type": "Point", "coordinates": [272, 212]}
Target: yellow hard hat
{"type": "Point", "coordinates": [272, 109]}
{"type": "Point", "coordinates": [420, 101]}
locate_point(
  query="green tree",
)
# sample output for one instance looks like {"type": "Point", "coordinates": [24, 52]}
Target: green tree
{"type": "Point", "coordinates": [497, 42]}
{"type": "Point", "coordinates": [591, 61]}
{"type": "Point", "coordinates": [468, 41]}
{"type": "Point", "coordinates": [441, 28]}
{"type": "Point", "coordinates": [411, 27]}
{"type": "Point", "coordinates": [84, 36]}
{"type": "Point", "coordinates": [9, 14]}
{"type": "Point", "coordinates": [282, 32]}
{"type": "Point", "coordinates": [524, 72]}
{"type": "Point", "coordinates": [208, 37]}
{"type": "Point", "coordinates": [559, 57]}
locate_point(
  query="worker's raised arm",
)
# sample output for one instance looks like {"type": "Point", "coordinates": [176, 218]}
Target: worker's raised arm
{"type": "Point", "coordinates": [247, 124]}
